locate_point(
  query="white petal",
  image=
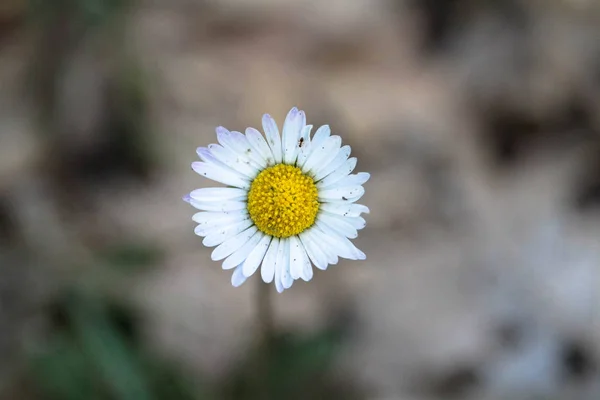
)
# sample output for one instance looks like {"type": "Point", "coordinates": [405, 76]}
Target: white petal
{"type": "Point", "coordinates": [267, 271]}
{"type": "Point", "coordinates": [339, 160]}
{"type": "Point", "coordinates": [213, 225]}
{"type": "Point", "coordinates": [282, 265]}
{"type": "Point", "coordinates": [222, 233]}
{"type": "Point", "coordinates": [222, 206]}
{"type": "Point", "coordinates": [273, 138]}
{"type": "Point", "coordinates": [344, 170]}
{"type": "Point", "coordinates": [221, 130]}
{"type": "Point", "coordinates": [303, 151]}
{"type": "Point", "coordinates": [323, 153]}
{"type": "Point", "coordinates": [338, 224]}
{"type": "Point", "coordinates": [256, 256]}
{"type": "Point", "coordinates": [344, 209]}
{"type": "Point", "coordinates": [234, 160]}
{"type": "Point", "coordinates": [258, 143]}
{"type": "Point", "coordinates": [242, 145]}
{"type": "Point", "coordinates": [344, 247]}
{"type": "Point", "coordinates": [294, 122]}
{"type": "Point", "coordinates": [320, 241]}
{"type": "Point", "coordinates": [213, 154]}
{"type": "Point", "coordinates": [356, 253]}
{"type": "Point", "coordinates": [228, 160]}
{"type": "Point", "coordinates": [278, 284]}
{"type": "Point", "coordinates": [209, 219]}
{"type": "Point", "coordinates": [237, 278]}
{"type": "Point", "coordinates": [232, 244]}
{"type": "Point", "coordinates": [226, 140]}
{"type": "Point", "coordinates": [333, 240]}
{"type": "Point", "coordinates": [207, 156]}
{"type": "Point", "coordinates": [238, 256]}
{"type": "Point", "coordinates": [286, 276]}
{"type": "Point", "coordinates": [222, 175]}
{"type": "Point", "coordinates": [320, 136]}
{"type": "Point", "coordinates": [307, 271]}
{"type": "Point", "coordinates": [348, 194]}
{"type": "Point", "coordinates": [326, 244]}
{"type": "Point", "coordinates": [316, 255]}
{"type": "Point", "coordinates": [329, 156]}
{"type": "Point", "coordinates": [238, 144]}
{"type": "Point", "coordinates": [296, 260]}
{"type": "Point", "coordinates": [350, 180]}
{"type": "Point", "coordinates": [305, 133]}
{"type": "Point", "coordinates": [218, 194]}
{"type": "Point", "coordinates": [346, 200]}
{"type": "Point", "coordinates": [356, 222]}
{"type": "Point", "coordinates": [203, 231]}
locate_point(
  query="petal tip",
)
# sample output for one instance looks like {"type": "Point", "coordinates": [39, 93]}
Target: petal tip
{"type": "Point", "coordinates": [213, 256]}
{"type": "Point", "coordinates": [266, 279]}
{"type": "Point", "coordinates": [237, 279]}
{"type": "Point", "coordinates": [221, 130]}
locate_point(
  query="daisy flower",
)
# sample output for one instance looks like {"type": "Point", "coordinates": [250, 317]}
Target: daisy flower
{"type": "Point", "coordinates": [289, 201]}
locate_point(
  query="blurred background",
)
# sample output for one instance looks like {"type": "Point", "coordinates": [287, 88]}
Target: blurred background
{"type": "Point", "coordinates": [479, 121]}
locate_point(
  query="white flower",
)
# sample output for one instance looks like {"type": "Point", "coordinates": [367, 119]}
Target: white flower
{"type": "Point", "coordinates": [290, 201]}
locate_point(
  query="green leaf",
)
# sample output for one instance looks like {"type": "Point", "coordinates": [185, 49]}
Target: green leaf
{"type": "Point", "coordinates": [94, 354]}
{"type": "Point", "coordinates": [63, 372]}
{"type": "Point", "coordinates": [114, 361]}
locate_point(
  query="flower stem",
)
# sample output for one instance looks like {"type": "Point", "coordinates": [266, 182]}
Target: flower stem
{"type": "Point", "coordinates": [264, 308]}
{"type": "Point", "coordinates": [264, 316]}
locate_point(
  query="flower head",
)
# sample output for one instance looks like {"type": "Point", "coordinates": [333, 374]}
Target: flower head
{"type": "Point", "coordinates": [289, 201]}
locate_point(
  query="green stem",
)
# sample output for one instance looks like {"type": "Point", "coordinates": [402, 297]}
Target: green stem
{"type": "Point", "coordinates": [264, 309]}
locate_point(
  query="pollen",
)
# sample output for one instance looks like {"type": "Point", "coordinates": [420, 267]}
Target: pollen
{"type": "Point", "coordinates": [282, 201]}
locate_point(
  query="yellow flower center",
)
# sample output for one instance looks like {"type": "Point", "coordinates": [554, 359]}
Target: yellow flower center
{"type": "Point", "coordinates": [282, 201]}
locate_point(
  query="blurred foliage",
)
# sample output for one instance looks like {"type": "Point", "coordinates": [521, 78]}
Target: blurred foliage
{"type": "Point", "coordinates": [290, 366]}
{"type": "Point", "coordinates": [94, 352]}
{"type": "Point", "coordinates": [88, 13]}
{"type": "Point", "coordinates": [93, 349]}
{"type": "Point", "coordinates": [128, 124]}
{"type": "Point", "coordinates": [12, 13]}
{"type": "Point", "coordinates": [95, 28]}
{"type": "Point", "coordinates": [131, 256]}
